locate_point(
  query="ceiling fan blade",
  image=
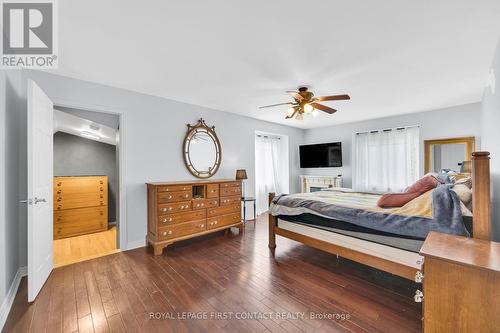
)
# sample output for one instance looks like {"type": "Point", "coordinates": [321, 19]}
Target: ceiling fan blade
{"type": "Point", "coordinates": [272, 105]}
{"type": "Point", "coordinates": [332, 98]}
{"type": "Point", "coordinates": [293, 114]}
{"type": "Point", "coordinates": [323, 108]}
{"type": "Point", "coordinates": [296, 95]}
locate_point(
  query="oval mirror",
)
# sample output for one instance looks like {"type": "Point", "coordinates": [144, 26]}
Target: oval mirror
{"type": "Point", "coordinates": [202, 150]}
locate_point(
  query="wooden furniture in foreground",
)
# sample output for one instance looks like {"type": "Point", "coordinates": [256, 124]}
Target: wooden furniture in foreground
{"type": "Point", "coordinates": [80, 205]}
{"type": "Point", "coordinates": [461, 284]}
{"type": "Point", "coordinates": [182, 210]}
{"type": "Point", "coordinates": [481, 226]}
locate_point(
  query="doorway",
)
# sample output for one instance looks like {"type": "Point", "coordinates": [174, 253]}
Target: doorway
{"type": "Point", "coordinates": [86, 186]}
{"type": "Point", "coordinates": [271, 167]}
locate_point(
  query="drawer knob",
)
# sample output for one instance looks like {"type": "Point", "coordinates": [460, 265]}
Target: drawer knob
{"type": "Point", "coordinates": [419, 296]}
{"type": "Point", "coordinates": [419, 277]}
{"type": "Point", "coordinates": [186, 195]}
{"type": "Point", "coordinates": [170, 232]}
{"type": "Point", "coordinates": [170, 197]}
{"type": "Point", "coordinates": [202, 204]}
{"type": "Point", "coordinates": [59, 192]}
{"type": "Point", "coordinates": [215, 222]}
{"type": "Point", "coordinates": [59, 184]}
{"type": "Point", "coordinates": [202, 226]}
{"type": "Point", "coordinates": [169, 208]}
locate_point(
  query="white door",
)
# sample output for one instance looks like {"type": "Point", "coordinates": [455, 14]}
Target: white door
{"type": "Point", "coordinates": [40, 183]}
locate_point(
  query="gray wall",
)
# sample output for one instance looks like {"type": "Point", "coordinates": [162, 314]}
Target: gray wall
{"type": "Point", "coordinates": [76, 156]}
{"type": "Point", "coordinates": [456, 121]}
{"type": "Point", "coordinates": [153, 131]}
{"type": "Point", "coordinates": [11, 211]}
{"type": "Point", "coordinates": [490, 111]}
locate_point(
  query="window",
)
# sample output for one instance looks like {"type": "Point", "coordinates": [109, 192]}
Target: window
{"type": "Point", "coordinates": [271, 167]}
{"type": "Point", "coordinates": [386, 160]}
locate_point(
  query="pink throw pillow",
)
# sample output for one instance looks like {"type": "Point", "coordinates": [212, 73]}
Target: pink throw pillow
{"type": "Point", "coordinates": [421, 186]}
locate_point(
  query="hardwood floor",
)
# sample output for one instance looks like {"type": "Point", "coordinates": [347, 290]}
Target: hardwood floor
{"type": "Point", "coordinates": [232, 275]}
{"type": "Point", "coordinates": [80, 248]}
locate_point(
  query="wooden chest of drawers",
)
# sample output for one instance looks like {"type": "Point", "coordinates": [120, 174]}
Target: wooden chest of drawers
{"type": "Point", "coordinates": [178, 211]}
{"type": "Point", "coordinates": [80, 205]}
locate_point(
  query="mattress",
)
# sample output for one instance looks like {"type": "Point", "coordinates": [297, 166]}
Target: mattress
{"type": "Point", "coordinates": [404, 257]}
{"type": "Point", "coordinates": [412, 244]}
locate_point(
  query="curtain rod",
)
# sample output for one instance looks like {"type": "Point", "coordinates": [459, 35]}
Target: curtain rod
{"type": "Point", "coordinates": [388, 129]}
{"type": "Point", "coordinates": [268, 136]}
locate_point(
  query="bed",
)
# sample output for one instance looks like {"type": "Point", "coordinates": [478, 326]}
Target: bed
{"type": "Point", "coordinates": [349, 224]}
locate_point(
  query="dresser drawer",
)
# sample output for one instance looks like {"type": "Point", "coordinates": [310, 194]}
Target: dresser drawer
{"type": "Point", "coordinates": [80, 221]}
{"type": "Point", "coordinates": [227, 201]}
{"type": "Point", "coordinates": [174, 188]}
{"type": "Point", "coordinates": [182, 217]}
{"type": "Point", "coordinates": [199, 204]}
{"type": "Point", "coordinates": [80, 200]}
{"type": "Point", "coordinates": [212, 190]}
{"type": "Point", "coordinates": [175, 207]}
{"type": "Point", "coordinates": [182, 229]}
{"type": "Point", "coordinates": [220, 221]}
{"type": "Point", "coordinates": [230, 184]}
{"type": "Point", "coordinates": [164, 197]}
{"type": "Point", "coordinates": [211, 212]}
{"type": "Point", "coordinates": [229, 191]}
{"type": "Point", "coordinates": [80, 215]}
{"type": "Point", "coordinates": [77, 185]}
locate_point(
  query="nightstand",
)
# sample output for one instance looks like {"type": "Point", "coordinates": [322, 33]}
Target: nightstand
{"type": "Point", "coordinates": [245, 200]}
{"type": "Point", "coordinates": [461, 284]}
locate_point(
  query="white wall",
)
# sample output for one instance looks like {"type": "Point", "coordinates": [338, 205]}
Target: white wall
{"type": "Point", "coordinates": [456, 121]}
{"type": "Point", "coordinates": [490, 111]}
{"type": "Point", "coordinates": [154, 129]}
{"type": "Point", "coordinates": [10, 120]}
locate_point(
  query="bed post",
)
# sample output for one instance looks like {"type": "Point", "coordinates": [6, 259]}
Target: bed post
{"type": "Point", "coordinates": [272, 224]}
{"type": "Point", "coordinates": [481, 203]}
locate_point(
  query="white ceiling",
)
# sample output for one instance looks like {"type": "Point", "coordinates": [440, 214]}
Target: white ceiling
{"type": "Point", "coordinates": [391, 56]}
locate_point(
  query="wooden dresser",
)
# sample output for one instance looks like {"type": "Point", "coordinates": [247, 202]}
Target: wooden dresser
{"type": "Point", "coordinates": [80, 205]}
{"type": "Point", "coordinates": [461, 284]}
{"type": "Point", "coordinates": [182, 210]}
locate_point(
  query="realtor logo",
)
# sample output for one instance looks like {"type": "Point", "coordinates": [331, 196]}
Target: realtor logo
{"type": "Point", "coordinates": [29, 38]}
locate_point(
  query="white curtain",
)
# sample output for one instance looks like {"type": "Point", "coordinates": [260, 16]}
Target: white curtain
{"type": "Point", "coordinates": [386, 160]}
{"type": "Point", "coordinates": [267, 166]}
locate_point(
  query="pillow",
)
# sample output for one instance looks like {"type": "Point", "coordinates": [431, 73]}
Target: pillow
{"type": "Point", "coordinates": [397, 199]}
{"type": "Point", "coordinates": [423, 185]}
{"type": "Point", "coordinates": [467, 181]}
{"type": "Point", "coordinates": [464, 194]}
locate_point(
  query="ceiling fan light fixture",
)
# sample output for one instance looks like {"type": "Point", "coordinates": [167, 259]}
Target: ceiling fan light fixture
{"type": "Point", "coordinates": [290, 111]}
{"type": "Point", "coordinates": [308, 108]}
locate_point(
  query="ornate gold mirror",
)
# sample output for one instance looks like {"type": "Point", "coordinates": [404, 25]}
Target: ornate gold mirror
{"type": "Point", "coordinates": [202, 150]}
{"type": "Point", "coordinates": [448, 154]}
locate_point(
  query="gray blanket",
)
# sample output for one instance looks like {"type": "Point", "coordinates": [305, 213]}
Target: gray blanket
{"type": "Point", "coordinates": [446, 216]}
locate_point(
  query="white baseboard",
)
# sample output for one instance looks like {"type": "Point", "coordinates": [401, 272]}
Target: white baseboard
{"type": "Point", "coordinates": [11, 295]}
{"type": "Point", "coordinates": [136, 244]}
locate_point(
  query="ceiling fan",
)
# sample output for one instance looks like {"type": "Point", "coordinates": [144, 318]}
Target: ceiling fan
{"type": "Point", "coordinates": [305, 102]}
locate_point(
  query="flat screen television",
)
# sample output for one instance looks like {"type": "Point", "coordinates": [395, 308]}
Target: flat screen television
{"type": "Point", "coordinates": [323, 155]}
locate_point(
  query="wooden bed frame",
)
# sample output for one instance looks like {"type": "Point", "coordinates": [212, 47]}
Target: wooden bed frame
{"type": "Point", "coordinates": [481, 227]}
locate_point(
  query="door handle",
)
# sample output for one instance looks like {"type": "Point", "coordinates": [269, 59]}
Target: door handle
{"type": "Point", "coordinates": [37, 200]}
{"type": "Point", "coordinates": [27, 201]}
